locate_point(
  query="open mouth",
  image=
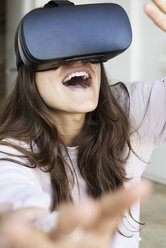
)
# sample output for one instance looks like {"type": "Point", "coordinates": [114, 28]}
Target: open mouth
{"type": "Point", "coordinates": [78, 80]}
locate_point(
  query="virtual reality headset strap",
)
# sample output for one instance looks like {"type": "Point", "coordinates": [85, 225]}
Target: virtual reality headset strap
{"type": "Point", "coordinates": [56, 3]}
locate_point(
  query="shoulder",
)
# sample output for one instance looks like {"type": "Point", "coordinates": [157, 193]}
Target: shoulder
{"type": "Point", "coordinates": [13, 146]}
{"type": "Point", "coordinates": [146, 102]}
{"type": "Point", "coordinates": [144, 89]}
{"type": "Point", "coordinates": [13, 162]}
{"type": "Point", "coordinates": [139, 94]}
{"type": "Point", "coordinates": [15, 151]}
{"type": "Point", "coordinates": [137, 86]}
{"type": "Point", "coordinates": [147, 109]}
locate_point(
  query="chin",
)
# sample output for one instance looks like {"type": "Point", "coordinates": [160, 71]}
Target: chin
{"type": "Point", "coordinates": [87, 109]}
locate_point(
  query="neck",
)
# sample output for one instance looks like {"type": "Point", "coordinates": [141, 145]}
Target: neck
{"type": "Point", "coordinates": [69, 126]}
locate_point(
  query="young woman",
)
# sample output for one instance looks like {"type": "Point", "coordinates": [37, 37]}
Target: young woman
{"type": "Point", "coordinates": [59, 145]}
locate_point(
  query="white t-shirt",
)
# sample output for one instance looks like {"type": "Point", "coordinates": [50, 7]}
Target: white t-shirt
{"type": "Point", "coordinates": [25, 187]}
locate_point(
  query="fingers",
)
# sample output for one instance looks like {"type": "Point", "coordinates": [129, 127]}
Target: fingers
{"type": "Point", "coordinates": [67, 219]}
{"type": "Point", "coordinates": [99, 219]}
{"type": "Point", "coordinates": [161, 4]}
{"type": "Point", "coordinates": [156, 15]}
{"type": "Point", "coordinates": [22, 216]}
{"type": "Point", "coordinates": [5, 207]}
{"type": "Point", "coordinates": [13, 223]}
{"type": "Point", "coordinates": [29, 214]}
{"type": "Point", "coordinates": [91, 213]}
{"type": "Point", "coordinates": [23, 235]}
{"type": "Point", "coordinates": [114, 205]}
{"type": "Point", "coordinates": [70, 216]}
{"type": "Point", "coordinates": [16, 229]}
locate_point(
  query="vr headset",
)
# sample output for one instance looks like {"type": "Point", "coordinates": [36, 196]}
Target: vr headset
{"type": "Point", "coordinates": [62, 32]}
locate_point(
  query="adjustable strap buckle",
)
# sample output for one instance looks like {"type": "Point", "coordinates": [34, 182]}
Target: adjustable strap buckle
{"type": "Point", "coordinates": [57, 3]}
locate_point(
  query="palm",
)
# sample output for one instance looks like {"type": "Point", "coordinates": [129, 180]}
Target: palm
{"type": "Point", "coordinates": [98, 221]}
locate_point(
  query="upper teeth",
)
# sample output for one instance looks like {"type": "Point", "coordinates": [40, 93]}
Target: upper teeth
{"type": "Point", "coordinates": [77, 74]}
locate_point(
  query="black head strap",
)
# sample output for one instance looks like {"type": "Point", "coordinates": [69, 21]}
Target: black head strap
{"type": "Point", "coordinates": [58, 3]}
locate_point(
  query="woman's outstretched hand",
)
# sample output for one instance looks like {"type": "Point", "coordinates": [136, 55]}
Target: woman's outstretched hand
{"type": "Point", "coordinates": [157, 13]}
{"type": "Point", "coordinates": [97, 220]}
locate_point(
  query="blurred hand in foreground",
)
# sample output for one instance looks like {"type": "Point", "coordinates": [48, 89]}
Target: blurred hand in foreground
{"type": "Point", "coordinates": [97, 220]}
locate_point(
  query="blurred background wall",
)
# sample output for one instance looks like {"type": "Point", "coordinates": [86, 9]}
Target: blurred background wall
{"type": "Point", "coordinates": [145, 60]}
{"type": "Point", "coordinates": [2, 47]}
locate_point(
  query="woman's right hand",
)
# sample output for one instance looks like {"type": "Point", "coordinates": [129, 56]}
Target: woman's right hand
{"type": "Point", "coordinates": [98, 221]}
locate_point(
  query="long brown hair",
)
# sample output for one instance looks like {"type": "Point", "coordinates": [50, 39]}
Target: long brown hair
{"type": "Point", "coordinates": [102, 143]}
{"type": "Point", "coordinates": [25, 117]}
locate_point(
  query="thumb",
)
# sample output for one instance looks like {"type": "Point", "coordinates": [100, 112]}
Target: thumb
{"type": "Point", "coordinates": [24, 215]}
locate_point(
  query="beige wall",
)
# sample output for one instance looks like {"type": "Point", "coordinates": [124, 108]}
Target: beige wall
{"type": "Point", "coordinates": [16, 9]}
